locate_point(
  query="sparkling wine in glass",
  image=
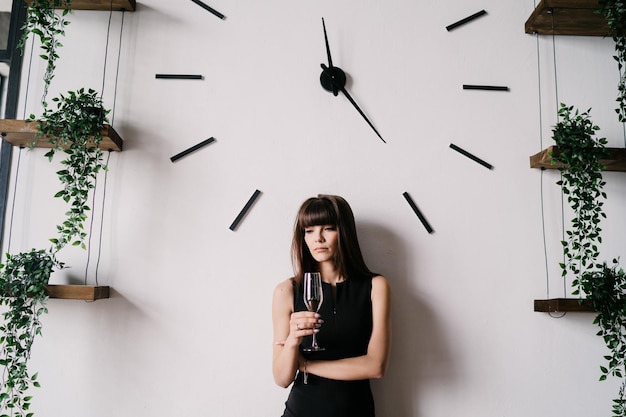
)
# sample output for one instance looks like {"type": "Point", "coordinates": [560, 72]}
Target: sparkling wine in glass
{"type": "Point", "coordinates": [313, 298]}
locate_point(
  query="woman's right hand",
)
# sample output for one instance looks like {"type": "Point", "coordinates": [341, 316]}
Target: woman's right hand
{"type": "Point", "coordinates": [289, 329]}
{"type": "Point", "coordinates": [303, 323]}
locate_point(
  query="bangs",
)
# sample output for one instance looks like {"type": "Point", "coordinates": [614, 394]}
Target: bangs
{"type": "Point", "coordinates": [318, 212]}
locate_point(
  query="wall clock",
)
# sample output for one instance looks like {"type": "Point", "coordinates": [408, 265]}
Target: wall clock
{"type": "Point", "coordinates": [328, 50]}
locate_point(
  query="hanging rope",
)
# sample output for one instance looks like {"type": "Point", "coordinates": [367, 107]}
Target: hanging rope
{"type": "Point", "coordinates": [541, 147]}
{"type": "Point", "coordinates": [106, 49]}
{"type": "Point", "coordinates": [557, 101]}
{"type": "Point", "coordinates": [93, 204]}
{"type": "Point", "coordinates": [104, 191]}
{"type": "Point", "coordinates": [19, 158]}
{"type": "Point", "coordinates": [30, 65]}
{"type": "Point", "coordinates": [556, 95]}
{"type": "Point", "coordinates": [17, 172]}
{"type": "Point", "coordinates": [539, 102]}
{"type": "Point", "coordinates": [101, 227]}
{"type": "Point", "coordinates": [117, 71]}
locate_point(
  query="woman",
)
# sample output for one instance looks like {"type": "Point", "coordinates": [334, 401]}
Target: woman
{"type": "Point", "coordinates": [353, 324]}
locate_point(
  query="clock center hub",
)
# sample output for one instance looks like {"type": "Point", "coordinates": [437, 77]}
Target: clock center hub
{"type": "Point", "coordinates": [333, 79]}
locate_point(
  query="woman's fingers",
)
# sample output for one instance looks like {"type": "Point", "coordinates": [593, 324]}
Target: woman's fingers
{"type": "Point", "coordinates": [305, 322]}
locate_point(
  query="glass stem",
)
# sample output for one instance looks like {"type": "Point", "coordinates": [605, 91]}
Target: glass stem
{"type": "Point", "coordinates": [314, 342]}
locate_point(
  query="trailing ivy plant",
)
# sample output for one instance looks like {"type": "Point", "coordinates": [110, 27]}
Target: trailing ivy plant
{"type": "Point", "coordinates": [44, 22]}
{"type": "Point", "coordinates": [22, 284]}
{"type": "Point", "coordinates": [614, 12]}
{"type": "Point", "coordinates": [580, 152]}
{"type": "Point", "coordinates": [605, 289]}
{"type": "Point", "coordinates": [74, 128]}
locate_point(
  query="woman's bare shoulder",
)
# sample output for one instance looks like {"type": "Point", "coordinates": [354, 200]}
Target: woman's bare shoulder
{"type": "Point", "coordinates": [380, 283]}
{"type": "Point", "coordinates": [285, 285]}
{"type": "Point", "coordinates": [379, 280]}
{"type": "Point", "coordinates": [284, 290]}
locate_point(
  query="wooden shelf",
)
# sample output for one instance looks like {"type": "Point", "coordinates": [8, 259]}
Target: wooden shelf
{"type": "Point", "coordinates": [616, 161]}
{"type": "Point", "coordinates": [561, 305]}
{"type": "Point", "coordinates": [24, 133]}
{"type": "Point", "coordinates": [77, 292]}
{"type": "Point", "coordinates": [105, 5]}
{"type": "Point", "coordinates": [569, 17]}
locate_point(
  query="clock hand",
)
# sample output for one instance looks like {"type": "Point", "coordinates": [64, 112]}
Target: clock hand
{"type": "Point", "coordinates": [334, 79]}
{"type": "Point", "coordinates": [330, 74]}
{"type": "Point", "coordinates": [330, 60]}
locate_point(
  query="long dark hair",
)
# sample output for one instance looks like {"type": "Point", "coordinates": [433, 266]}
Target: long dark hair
{"type": "Point", "coordinates": [328, 210]}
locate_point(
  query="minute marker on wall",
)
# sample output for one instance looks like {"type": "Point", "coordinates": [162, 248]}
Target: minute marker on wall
{"type": "Point", "coordinates": [485, 87]}
{"type": "Point", "coordinates": [465, 20]}
{"type": "Point", "coordinates": [179, 76]}
{"type": "Point", "coordinates": [470, 156]}
{"type": "Point", "coordinates": [209, 9]}
{"type": "Point", "coordinates": [192, 149]}
{"type": "Point", "coordinates": [417, 211]}
{"type": "Point", "coordinates": [245, 210]}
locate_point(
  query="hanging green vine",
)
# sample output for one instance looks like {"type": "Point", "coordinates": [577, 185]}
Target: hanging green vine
{"type": "Point", "coordinates": [615, 13]}
{"type": "Point", "coordinates": [44, 22]}
{"type": "Point", "coordinates": [581, 152]}
{"type": "Point", "coordinates": [22, 284]}
{"type": "Point", "coordinates": [581, 181]}
{"type": "Point", "coordinates": [73, 127]}
{"type": "Point", "coordinates": [606, 291]}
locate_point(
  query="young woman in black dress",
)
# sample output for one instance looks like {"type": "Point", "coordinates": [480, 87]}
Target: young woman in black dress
{"type": "Point", "coordinates": [353, 324]}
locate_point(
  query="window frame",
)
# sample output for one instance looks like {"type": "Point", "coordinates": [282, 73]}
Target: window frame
{"type": "Point", "coordinates": [13, 57]}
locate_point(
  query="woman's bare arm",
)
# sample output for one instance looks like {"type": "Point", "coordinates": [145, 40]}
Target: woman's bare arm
{"type": "Point", "coordinates": [289, 328]}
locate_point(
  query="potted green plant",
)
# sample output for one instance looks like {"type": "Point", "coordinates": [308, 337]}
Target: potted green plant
{"type": "Point", "coordinates": [22, 283]}
{"type": "Point", "coordinates": [614, 12]}
{"type": "Point", "coordinates": [73, 128]}
{"type": "Point", "coordinates": [48, 25]}
{"type": "Point", "coordinates": [605, 289]}
{"type": "Point", "coordinates": [580, 153]}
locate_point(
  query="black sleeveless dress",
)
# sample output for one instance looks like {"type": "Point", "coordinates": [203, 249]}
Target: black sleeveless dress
{"type": "Point", "coordinates": [345, 333]}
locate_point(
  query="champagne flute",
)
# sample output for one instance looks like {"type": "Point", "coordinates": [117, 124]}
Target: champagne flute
{"type": "Point", "coordinates": [313, 298]}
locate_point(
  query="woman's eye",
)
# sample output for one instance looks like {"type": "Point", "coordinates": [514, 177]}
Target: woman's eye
{"type": "Point", "coordinates": [331, 228]}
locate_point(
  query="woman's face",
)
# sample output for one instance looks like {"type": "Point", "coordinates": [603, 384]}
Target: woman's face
{"type": "Point", "coordinates": [322, 241]}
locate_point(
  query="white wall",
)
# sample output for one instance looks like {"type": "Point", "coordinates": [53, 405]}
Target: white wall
{"type": "Point", "coordinates": [187, 330]}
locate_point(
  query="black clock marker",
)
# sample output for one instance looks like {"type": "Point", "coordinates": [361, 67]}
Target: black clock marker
{"type": "Point", "coordinates": [245, 209]}
{"type": "Point", "coordinates": [179, 76]}
{"type": "Point", "coordinates": [470, 156]}
{"type": "Point", "coordinates": [485, 87]}
{"type": "Point", "coordinates": [333, 79]}
{"type": "Point", "coordinates": [418, 212]}
{"type": "Point", "coordinates": [466, 20]}
{"type": "Point", "coordinates": [192, 149]}
{"type": "Point", "coordinates": [210, 9]}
